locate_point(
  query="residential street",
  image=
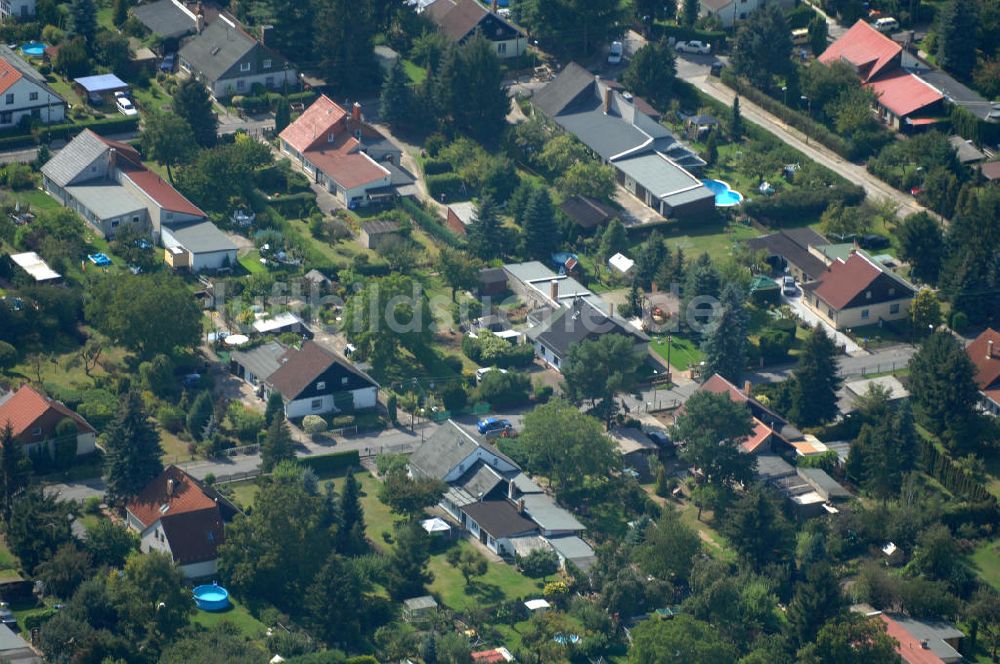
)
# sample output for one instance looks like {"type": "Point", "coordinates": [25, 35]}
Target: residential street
{"type": "Point", "coordinates": [891, 358]}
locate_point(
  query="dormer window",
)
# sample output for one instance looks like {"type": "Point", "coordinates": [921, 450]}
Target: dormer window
{"type": "Point", "coordinates": [343, 381]}
{"type": "Point", "coordinates": [868, 295]}
{"type": "Point", "coordinates": [37, 432]}
{"type": "Point", "coordinates": [244, 66]}
{"type": "Point", "coordinates": [321, 385]}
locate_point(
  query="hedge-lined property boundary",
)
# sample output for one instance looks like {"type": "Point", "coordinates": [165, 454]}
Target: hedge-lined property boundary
{"type": "Point", "coordinates": [332, 463]}
{"type": "Point", "coordinates": [66, 131]}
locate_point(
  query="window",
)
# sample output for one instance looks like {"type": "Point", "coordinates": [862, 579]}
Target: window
{"type": "Point", "coordinates": [343, 381]}
{"type": "Point", "coordinates": [829, 312]}
{"type": "Point", "coordinates": [316, 404]}
{"type": "Point", "coordinates": [868, 295]}
{"type": "Point", "coordinates": [170, 216]}
{"type": "Point", "coordinates": [114, 224]}
{"type": "Point", "coordinates": [267, 63]}
{"type": "Point", "coordinates": [329, 137]}
{"type": "Point", "coordinates": [894, 308]}
{"type": "Point", "coordinates": [37, 432]}
{"type": "Point", "coordinates": [743, 15]}
{"type": "Point", "coordinates": [241, 84]}
{"type": "Point", "coordinates": [892, 291]}
{"type": "Point", "coordinates": [501, 48]}
{"type": "Point", "coordinates": [244, 66]}
{"type": "Point", "coordinates": [10, 98]}
{"type": "Point", "coordinates": [6, 117]}
{"type": "Point", "coordinates": [864, 314]}
{"type": "Point", "coordinates": [135, 220]}
{"type": "Point", "coordinates": [33, 96]}
{"type": "Point", "coordinates": [321, 385]}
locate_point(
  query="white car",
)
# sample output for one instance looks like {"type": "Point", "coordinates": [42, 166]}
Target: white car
{"type": "Point", "coordinates": [125, 105]}
{"type": "Point", "coordinates": [788, 286]}
{"type": "Point", "coordinates": [693, 47]}
{"type": "Point", "coordinates": [615, 53]}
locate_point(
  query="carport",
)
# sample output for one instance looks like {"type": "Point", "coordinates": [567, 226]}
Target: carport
{"type": "Point", "coordinates": [99, 89]}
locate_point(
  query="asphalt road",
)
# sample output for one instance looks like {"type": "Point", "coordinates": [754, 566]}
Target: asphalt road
{"type": "Point", "coordinates": [887, 359]}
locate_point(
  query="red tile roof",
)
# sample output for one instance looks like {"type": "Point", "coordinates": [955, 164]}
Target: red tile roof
{"type": "Point", "coordinates": [991, 170]}
{"type": "Point", "coordinates": [26, 406]}
{"type": "Point", "coordinates": [9, 75]}
{"type": "Point", "coordinates": [903, 93]}
{"type": "Point", "coordinates": [494, 656]}
{"type": "Point", "coordinates": [760, 435]}
{"type": "Point", "coordinates": [123, 149]}
{"type": "Point", "coordinates": [314, 125]}
{"type": "Point", "coordinates": [866, 48]}
{"type": "Point", "coordinates": [346, 166]}
{"type": "Point", "coordinates": [909, 648]}
{"type": "Point", "coordinates": [719, 385]}
{"type": "Point", "coordinates": [162, 192]}
{"type": "Point", "coordinates": [158, 500]}
{"type": "Point", "coordinates": [986, 358]}
{"type": "Point", "coordinates": [843, 281]}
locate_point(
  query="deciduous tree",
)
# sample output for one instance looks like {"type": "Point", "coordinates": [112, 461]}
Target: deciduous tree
{"type": "Point", "coordinates": [762, 47]}
{"type": "Point", "coordinates": [598, 370]}
{"type": "Point", "coordinates": [408, 496]}
{"type": "Point", "coordinates": [921, 244]}
{"type": "Point", "coordinates": [669, 549]}
{"type": "Point", "coordinates": [682, 639]}
{"type": "Point", "coordinates": [650, 73]}
{"type": "Point", "coordinates": [851, 638]}
{"type": "Point", "coordinates": [759, 530]}
{"type": "Point", "coordinates": [712, 427]}
{"type": "Point", "coordinates": [957, 35]}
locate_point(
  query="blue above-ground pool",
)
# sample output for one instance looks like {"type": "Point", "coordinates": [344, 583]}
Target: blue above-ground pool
{"type": "Point", "coordinates": [724, 196]}
{"type": "Point", "coordinates": [34, 48]}
{"type": "Point", "coordinates": [211, 597]}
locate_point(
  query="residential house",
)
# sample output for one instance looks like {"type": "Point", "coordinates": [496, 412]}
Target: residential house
{"type": "Point", "coordinates": [460, 20]}
{"type": "Point", "coordinates": [25, 93]}
{"type": "Point", "coordinates": [35, 418]}
{"type": "Point", "coordinates": [586, 212]}
{"type": "Point", "coordinates": [35, 267]}
{"type": "Point", "coordinates": [857, 389]}
{"type": "Point", "coordinates": [792, 250]}
{"type": "Point", "coordinates": [858, 291]}
{"type": "Point", "coordinates": [106, 183]}
{"type": "Point", "coordinates": [170, 19]}
{"type": "Point", "coordinates": [966, 150]}
{"type": "Point", "coordinates": [377, 232]}
{"type": "Point", "coordinates": [178, 515]}
{"type": "Point", "coordinates": [460, 216]}
{"type": "Point", "coordinates": [904, 100]}
{"type": "Point", "coordinates": [229, 61]}
{"type": "Point", "coordinates": [649, 162]}
{"type": "Point", "coordinates": [635, 447]}
{"type": "Point", "coordinates": [311, 380]}
{"type": "Point", "coordinates": [731, 12]}
{"type": "Point", "coordinates": [16, 9]}
{"type": "Point", "coordinates": [342, 152]}
{"type": "Point", "coordinates": [565, 313]}
{"type": "Point", "coordinates": [923, 641]}
{"type": "Point", "coordinates": [984, 352]}
{"type": "Point", "coordinates": [495, 523]}
{"type": "Point", "coordinates": [810, 491]}
{"type": "Point", "coordinates": [13, 648]}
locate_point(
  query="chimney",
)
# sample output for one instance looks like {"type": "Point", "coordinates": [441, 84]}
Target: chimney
{"type": "Point", "coordinates": [494, 6]}
{"type": "Point", "coordinates": [747, 387]}
{"type": "Point", "coordinates": [170, 486]}
{"type": "Point", "coordinates": [607, 100]}
{"type": "Point", "coordinates": [520, 505]}
{"type": "Point", "coordinates": [554, 289]}
{"type": "Point", "coordinates": [112, 162]}
{"type": "Point", "coordinates": [199, 22]}
{"type": "Point", "coordinates": [266, 33]}
{"type": "Point", "coordinates": [989, 349]}
{"type": "Point", "coordinates": [511, 490]}
{"type": "Point", "coordinates": [356, 112]}
{"type": "Point", "coordinates": [611, 309]}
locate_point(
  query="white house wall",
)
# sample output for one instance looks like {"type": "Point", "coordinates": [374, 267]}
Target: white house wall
{"type": "Point", "coordinates": [365, 397]}
{"type": "Point", "coordinates": [243, 85]}
{"type": "Point", "coordinates": [48, 107]}
{"type": "Point", "coordinates": [484, 455]}
{"type": "Point", "coordinates": [199, 570]}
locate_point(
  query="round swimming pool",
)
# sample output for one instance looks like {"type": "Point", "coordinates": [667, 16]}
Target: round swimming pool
{"type": "Point", "coordinates": [724, 195]}
{"type": "Point", "coordinates": [34, 48]}
{"type": "Point", "coordinates": [211, 597]}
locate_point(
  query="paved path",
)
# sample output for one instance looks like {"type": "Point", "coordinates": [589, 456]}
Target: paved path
{"type": "Point", "coordinates": [797, 303]}
{"type": "Point", "coordinates": [874, 187]}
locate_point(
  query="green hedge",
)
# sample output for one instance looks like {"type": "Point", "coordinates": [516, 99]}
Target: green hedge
{"type": "Point", "coordinates": [269, 100]}
{"type": "Point", "coordinates": [790, 207]}
{"type": "Point", "coordinates": [941, 467]}
{"type": "Point", "coordinates": [65, 131]}
{"type": "Point", "coordinates": [450, 185]}
{"type": "Point", "coordinates": [294, 206]}
{"type": "Point", "coordinates": [429, 223]}
{"type": "Point", "coordinates": [324, 464]}
{"type": "Point", "coordinates": [437, 167]}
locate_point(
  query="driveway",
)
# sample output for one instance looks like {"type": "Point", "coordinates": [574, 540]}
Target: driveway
{"type": "Point", "coordinates": [797, 303]}
{"type": "Point", "coordinates": [79, 490]}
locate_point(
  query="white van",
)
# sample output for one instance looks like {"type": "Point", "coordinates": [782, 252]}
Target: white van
{"type": "Point", "coordinates": [481, 373]}
{"type": "Point", "coordinates": [886, 25]}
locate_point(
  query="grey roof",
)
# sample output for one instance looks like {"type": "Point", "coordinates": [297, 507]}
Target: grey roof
{"type": "Point", "coordinates": [967, 152]}
{"type": "Point", "coordinates": [934, 632]}
{"type": "Point", "coordinates": [580, 322]}
{"type": "Point", "coordinates": [499, 518]}
{"type": "Point", "coordinates": [316, 277]}
{"type": "Point", "coordinates": [380, 227]}
{"type": "Point", "coordinates": [563, 89]}
{"type": "Point", "coordinates": [772, 467]}
{"type": "Point", "coordinates": [10, 643]}
{"type": "Point", "coordinates": [793, 245]}
{"type": "Point", "coordinates": [536, 275]}
{"type": "Point", "coordinates": [479, 479]}
{"type": "Point", "coordinates": [631, 439]}
{"type": "Point", "coordinates": [164, 18]}
{"type": "Point", "coordinates": [71, 161]}
{"type": "Point", "coordinates": [398, 176]}
{"type": "Point", "coordinates": [217, 49]}
{"type": "Point", "coordinates": [423, 602]}
{"type": "Point", "coordinates": [661, 177]}
{"type": "Point", "coordinates": [526, 544]}
{"type": "Point", "coordinates": [26, 70]}
{"type": "Point", "coordinates": [202, 237]}
{"type": "Point", "coordinates": [449, 446]}
{"type": "Point", "coordinates": [956, 92]}
{"type": "Point", "coordinates": [525, 484]}
{"type": "Point", "coordinates": [544, 511]}
{"type": "Point", "coordinates": [822, 483]}
{"type": "Point", "coordinates": [492, 275]}
{"type": "Point", "coordinates": [261, 361]}
{"type": "Point", "coordinates": [106, 200]}
{"type": "Point", "coordinates": [575, 550]}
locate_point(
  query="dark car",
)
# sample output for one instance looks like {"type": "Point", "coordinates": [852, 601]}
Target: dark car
{"type": "Point", "coordinates": [494, 426]}
{"type": "Point", "coordinates": [716, 69]}
{"type": "Point", "coordinates": [167, 64]}
{"type": "Point", "coordinates": [874, 241]}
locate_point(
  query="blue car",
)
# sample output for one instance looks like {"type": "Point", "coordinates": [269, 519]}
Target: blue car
{"type": "Point", "coordinates": [494, 426]}
{"type": "Point", "coordinates": [167, 64]}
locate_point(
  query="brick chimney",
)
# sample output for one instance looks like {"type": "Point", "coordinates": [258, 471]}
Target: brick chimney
{"type": "Point", "coordinates": [266, 34]}
{"type": "Point", "coordinates": [170, 486]}
{"type": "Point", "coordinates": [611, 309]}
{"type": "Point", "coordinates": [989, 349]}
{"type": "Point", "coordinates": [554, 289]}
{"type": "Point", "coordinates": [199, 22]}
{"type": "Point", "coordinates": [520, 505]}
{"type": "Point", "coordinates": [511, 490]}
{"type": "Point", "coordinates": [747, 387]}
{"type": "Point", "coordinates": [356, 112]}
{"type": "Point", "coordinates": [112, 162]}
{"type": "Point", "coordinates": [607, 100]}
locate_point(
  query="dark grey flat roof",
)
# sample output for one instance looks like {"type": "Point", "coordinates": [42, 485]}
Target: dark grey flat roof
{"type": "Point", "coordinates": [957, 93]}
{"type": "Point", "coordinates": [164, 18]}
{"type": "Point", "coordinates": [201, 238]}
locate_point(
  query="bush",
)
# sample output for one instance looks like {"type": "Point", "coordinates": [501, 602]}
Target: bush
{"type": "Point", "coordinates": [313, 424]}
{"type": "Point", "coordinates": [774, 345]}
{"type": "Point", "coordinates": [792, 205]}
{"type": "Point", "coordinates": [430, 223]}
{"type": "Point", "coordinates": [92, 505]}
{"type": "Point", "coordinates": [489, 350]}
{"type": "Point", "coordinates": [959, 321]}
{"type": "Point", "coordinates": [437, 167]}
{"type": "Point", "coordinates": [170, 418]}
{"type": "Point", "coordinates": [539, 563]}
{"type": "Point", "coordinates": [245, 423]}
{"type": "Point", "coordinates": [446, 186]}
{"type": "Point", "coordinates": [327, 464]}
{"type": "Point", "coordinates": [502, 390]}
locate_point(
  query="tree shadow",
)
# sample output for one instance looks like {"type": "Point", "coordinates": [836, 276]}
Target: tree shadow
{"type": "Point", "coordinates": [486, 592]}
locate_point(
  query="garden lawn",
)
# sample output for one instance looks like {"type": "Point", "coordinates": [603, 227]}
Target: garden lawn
{"type": "Point", "coordinates": [251, 262]}
{"type": "Point", "coordinates": [501, 582]}
{"type": "Point", "coordinates": [416, 73]}
{"type": "Point", "coordinates": [715, 239]}
{"type": "Point", "coordinates": [244, 493]}
{"type": "Point", "coordinates": [683, 352]}
{"type": "Point", "coordinates": [986, 561]}
{"type": "Point", "coordinates": [379, 518]}
{"type": "Point", "coordinates": [237, 616]}
{"type": "Point", "coordinates": [36, 199]}
{"type": "Point", "coordinates": [8, 561]}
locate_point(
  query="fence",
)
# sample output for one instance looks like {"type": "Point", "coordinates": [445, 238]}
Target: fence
{"type": "Point", "coordinates": [237, 477]}
{"type": "Point", "coordinates": [236, 451]}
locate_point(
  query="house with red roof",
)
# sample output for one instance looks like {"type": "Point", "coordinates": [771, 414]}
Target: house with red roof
{"type": "Point", "coordinates": [180, 516]}
{"type": "Point", "coordinates": [25, 93]}
{"type": "Point", "coordinates": [905, 101]}
{"type": "Point", "coordinates": [858, 291]}
{"type": "Point", "coordinates": [984, 352]}
{"type": "Point", "coordinates": [34, 418]}
{"type": "Point", "coordinates": [342, 152]}
{"type": "Point", "coordinates": [923, 641]}
{"type": "Point", "coordinates": [106, 182]}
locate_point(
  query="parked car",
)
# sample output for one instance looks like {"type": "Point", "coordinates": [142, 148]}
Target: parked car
{"type": "Point", "coordinates": [886, 25]}
{"type": "Point", "coordinates": [125, 105]}
{"type": "Point", "coordinates": [167, 64]}
{"type": "Point", "coordinates": [616, 52]}
{"type": "Point", "coordinates": [874, 241]}
{"type": "Point", "coordinates": [6, 615]}
{"type": "Point", "coordinates": [694, 46]}
{"type": "Point", "coordinates": [788, 286]}
{"type": "Point", "coordinates": [716, 69]}
{"type": "Point", "coordinates": [491, 427]}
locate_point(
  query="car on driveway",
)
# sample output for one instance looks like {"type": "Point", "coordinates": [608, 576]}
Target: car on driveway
{"type": "Point", "coordinates": [616, 52]}
{"type": "Point", "coordinates": [492, 427]}
{"type": "Point", "coordinates": [125, 105]}
{"type": "Point", "coordinates": [694, 46]}
{"type": "Point", "coordinates": [167, 64]}
{"type": "Point", "coordinates": [788, 286]}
